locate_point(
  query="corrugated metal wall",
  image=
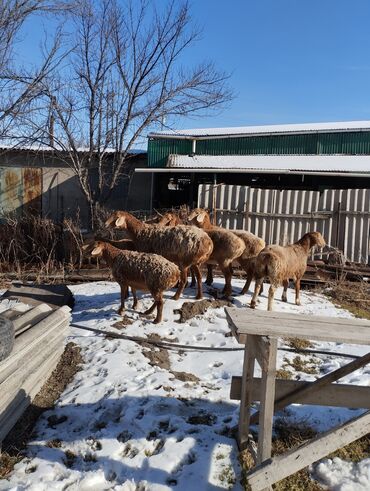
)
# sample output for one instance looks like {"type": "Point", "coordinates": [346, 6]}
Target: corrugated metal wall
{"type": "Point", "coordinates": [281, 217]}
{"type": "Point", "coordinates": [159, 150]}
{"type": "Point", "coordinates": [351, 143]}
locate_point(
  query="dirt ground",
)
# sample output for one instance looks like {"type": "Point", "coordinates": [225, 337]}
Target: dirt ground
{"type": "Point", "coordinates": [15, 442]}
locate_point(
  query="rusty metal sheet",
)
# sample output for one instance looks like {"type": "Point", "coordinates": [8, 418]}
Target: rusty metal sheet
{"type": "Point", "coordinates": [11, 190]}
{"type": "Point", "coordinates": [32, 189]}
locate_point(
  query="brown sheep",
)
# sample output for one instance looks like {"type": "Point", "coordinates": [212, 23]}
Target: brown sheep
{"type": "Point", "coordinates": [252, 245]}
{"type": "Point", "coordinates": [226, 245]}
{"type": "Point", "coordinates": [282, 263]}
{"type": "Point", "coordinates": [185, 246]}
{"type": "Point", "coordinates": [139, 270]}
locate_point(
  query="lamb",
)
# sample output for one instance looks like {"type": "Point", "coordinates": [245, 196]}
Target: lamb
{"type": "Point", "coordinates": [226, 245]}
{"type": "Point", "coordinates": [139, 270]}
{"type": "Point", "coordinates": [282, 263]}
{"type": "Point", "coordinates": [185, 246]}
{"type": "Point", "coordinates": [252, 245]}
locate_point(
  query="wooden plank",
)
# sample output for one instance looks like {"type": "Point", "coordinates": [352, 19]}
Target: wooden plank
{"type": "Point", "coordinates": [267, 399]}
{"type": "Point", "coordinates": [248, 321]}
{"type": "Point", "coordinates": [296, 459]}
{"type": "Point", "coordinates": [324, 381]}
{"type": "Point", "coordinates": [338, 395]}
{"type": "Point", "coordinates": [31, 387]}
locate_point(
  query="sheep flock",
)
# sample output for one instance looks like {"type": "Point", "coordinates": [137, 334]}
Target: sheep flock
{"type": "Point", "coordinates": [158, 255]}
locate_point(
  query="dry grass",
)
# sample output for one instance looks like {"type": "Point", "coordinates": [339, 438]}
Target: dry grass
{"type": "Point", "coordinates": [299, 364]}
{"type": "Point", "coordinates": [352, 296]}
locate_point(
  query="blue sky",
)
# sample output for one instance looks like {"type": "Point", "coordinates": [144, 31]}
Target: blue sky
{"type": "Point", "coordinates": [290, 60]}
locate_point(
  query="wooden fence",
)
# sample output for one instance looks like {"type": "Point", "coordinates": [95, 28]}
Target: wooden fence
{"type": "Point", "coordinates": [283, 216]}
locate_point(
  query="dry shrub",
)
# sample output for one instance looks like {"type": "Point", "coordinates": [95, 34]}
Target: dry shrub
{"type": "Point", "coordinates": [30, 241]}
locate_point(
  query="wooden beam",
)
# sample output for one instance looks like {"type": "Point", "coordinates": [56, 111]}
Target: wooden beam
{"type": "Point", "coordinates": [311, 387]}
{"type": "Point", "coordinates": [338, 395]}
{"type": "Point", "coordinates": [283, 325]}
{"type": "Point", "coordinates": [290, 462]}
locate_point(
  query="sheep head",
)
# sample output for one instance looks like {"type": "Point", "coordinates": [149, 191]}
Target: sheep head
{"type": "Point", "coordinates": [117, 219]}
{"type": "Point", "coordinates": [169, 220]}
{"type": "Point", "coordinates": [199, 217]}
{"type": "Point", "coordinates": [313, 239]}
{"type": "Point", "coordinates": [98, 248]}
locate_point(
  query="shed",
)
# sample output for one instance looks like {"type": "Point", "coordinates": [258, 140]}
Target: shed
{"type": "Point", "coordinates": [277, 181]}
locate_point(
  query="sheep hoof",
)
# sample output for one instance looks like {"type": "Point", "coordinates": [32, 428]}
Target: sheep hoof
{"type": "Point", "coordinates": [120, 311]}
{"type": "Point", "coordinates": [208, 282]}
{"type": "Point", "coordinates": [298, 302]}
{"type": "Point", "coordinates": [284, 299]}
{"type": "Point", "coordinates": [253, 305]}
{"type": "Point", "coordinates": [176, 297]}
{"type": "Point", "coordinates": [199, 297]}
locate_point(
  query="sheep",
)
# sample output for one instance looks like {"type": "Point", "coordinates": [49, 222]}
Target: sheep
{"type": "Point", "coordinates": [282, 263]}
{"type": "Point", "coordinates": [171, 219]}
{"type": "Point", "coordinates": [139, 270]}
{"type": "Point", "coordinates": [252, 245]}
{"type": "Point", "coordinates": [126, 245]}
{"type": "Point", "coordinates": [185, 246]}
{"type": "Point", "coordinates": [226, 245]}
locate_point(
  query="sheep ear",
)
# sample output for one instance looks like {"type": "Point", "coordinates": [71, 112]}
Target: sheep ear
{"type": "Point", "coordinates": [97, 250]}
{"type": "Point", "coordinates": [120, 222]}
{"type": "Point", "coordinates": [201, 217]}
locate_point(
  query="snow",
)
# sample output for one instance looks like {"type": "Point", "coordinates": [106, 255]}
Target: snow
{"type": "Point", "coordinates": [127, 425]}
{"type": "Point", "coordinates": [266, 129]}
{"type": "Point", "coordinates": [276, 163]}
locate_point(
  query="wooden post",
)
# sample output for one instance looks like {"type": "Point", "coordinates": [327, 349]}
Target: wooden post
{"type": "Point", "coordinates": [267, 402]}
{"type": "Point", "coordinates": [246, 392]}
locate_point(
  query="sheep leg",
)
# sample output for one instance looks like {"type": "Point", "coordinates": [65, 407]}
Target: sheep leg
{"type": "Point", "coordinates": [198, 276]}
{"type": "Point", "coordinates": [124, 290]}
{"type": "Point", "coordinates": [209, 279]}
{"type": "Point", "coordinates": [261, 289]}
{"type": "Point", "coordinates": [271, 296]}
{"type": "Point", "coordinates": [159, 303]}
{"type": "Point", "coordinates": [297, 291]}
{"type": "Point", "coordinates": [133, 291]}
{"type": "Point", "coordinates": [228, 274]}
{"type": "Point", "coordinates": [284, 297]}
{"type": "Point", "coordinates": [193, 277]}
{"type": "Point", "coordinates": [257, 288]}
{"type": "Point", "coordinates": [247, 285]}
{"type": "Point", "coordinates": [151, 309]}
{"type": "Point", "coordinates": [182, 283]}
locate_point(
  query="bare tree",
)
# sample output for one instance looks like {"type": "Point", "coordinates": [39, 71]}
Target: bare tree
{"type": "Point", "coordinates": [125, 76]}
{"type": "Point", "coordinates": [20, 85]}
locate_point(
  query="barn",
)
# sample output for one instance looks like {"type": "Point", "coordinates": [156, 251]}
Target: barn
{"type": "Point", "coordinates": [277, 181]}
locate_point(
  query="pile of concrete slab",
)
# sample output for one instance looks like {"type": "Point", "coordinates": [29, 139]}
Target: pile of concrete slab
{"type": "Point", "coordinates": [40, 334]}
